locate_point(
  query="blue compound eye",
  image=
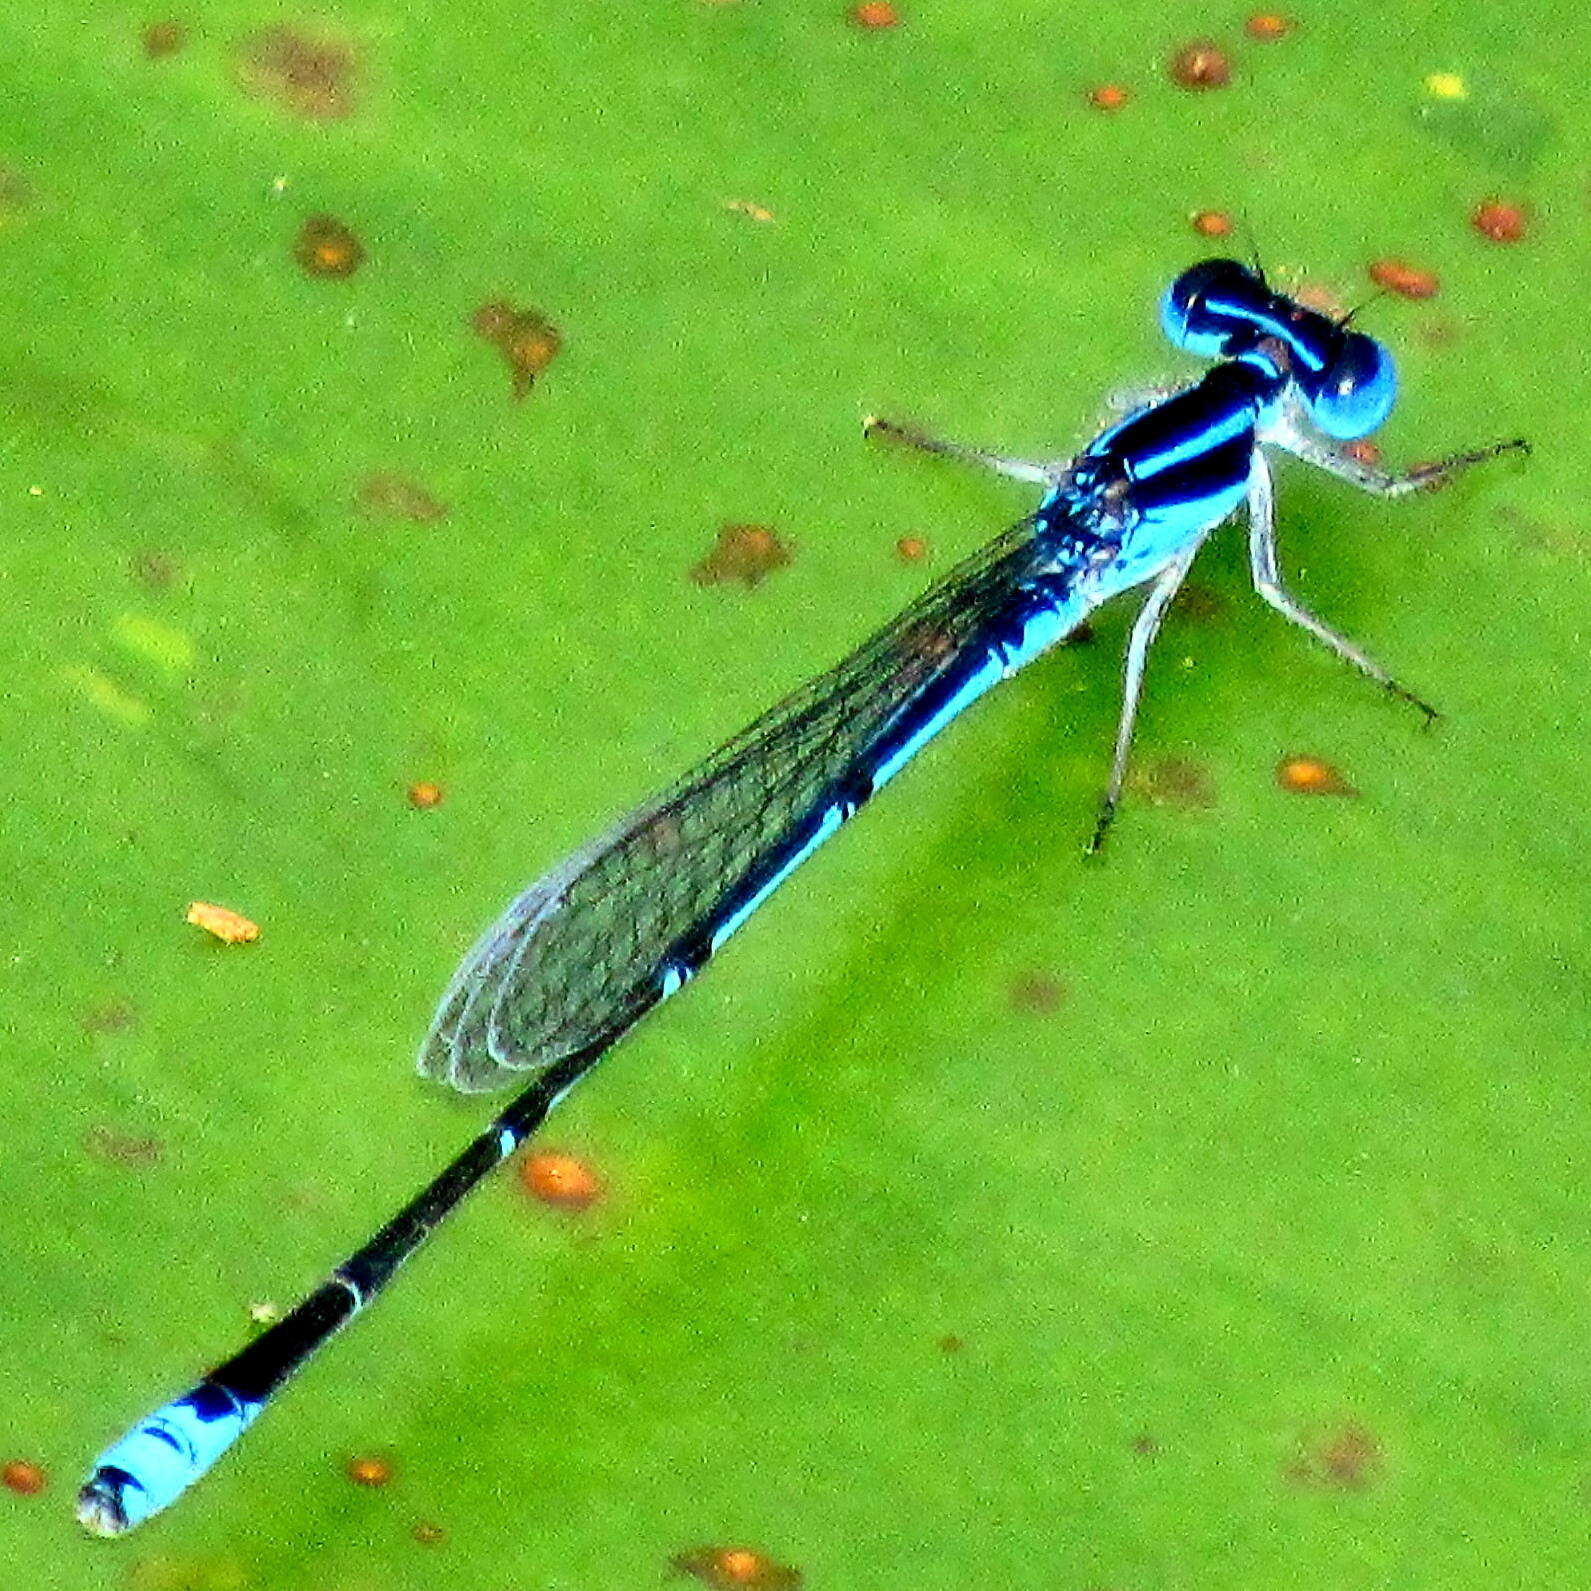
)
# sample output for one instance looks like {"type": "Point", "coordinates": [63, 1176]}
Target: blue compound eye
{"type": "Point", "coordinates": [1355, 392]}
{"type": "Point", "coordinates": [1208, 305]}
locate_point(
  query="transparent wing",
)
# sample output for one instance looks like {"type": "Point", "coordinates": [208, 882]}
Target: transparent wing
{"type": "Point", "coordinates": [581, 948]}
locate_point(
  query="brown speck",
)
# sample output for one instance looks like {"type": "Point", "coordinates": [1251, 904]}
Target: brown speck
{"type": "Point", "coordinates": [1211, 223]}
{"type": "Point", "coordinates": [1500, 221]}
{"type": "Point", "coordinates": [1407, 281]}
{"type": "Point", "coordinates": [526, 339]}
{"type": "Point", "coordinates": [428, 1534]}
{"type": "Point", "coordinates": [230, 927]}
{"type": "Point", "coordinates": [874, 14]}
{"type": "Point", "coordinates": [122, 1148]}
{"type": "Point", "coordinates": [951, 1343]}
{"type": "Point", "coordinates": [153, 570]}
{"type": "Point", "coordinates": [24, 1478]}
{"type": "Point", "coordinates": [744, 553]}
{"type": "Point", "coordinates": [560, 1180]}
{"type": "Point", "coordinates": [1364, 451]}
{"type": "Point", "coordinates": [1144, 1445]}
{"type": "Point", "coordinates": [161, 39]}
{"type": "Point", "coordinates": [309, 75]}
{"type": "Point", "coordinates": [1268, 26]}
{"type": "Point", "coordinates": [1346, 1458]}
{"type": "Point", "coordinates": [109, 1018]}
{"type": "Point", "coordinates": [1200, 64]}
{"type": "Point", "coordinates": [911, 549]}
{"type": "Point", "coordinates": [735, 1569]}
{"type": "Point", "coordinates": [1038, 994]}
{"type": "Point", "coordinates": [1109, 97]}
{"type": "Point", "coordinates": [1199, 604]}
{"type": "Point", "coordinates": [1083, 635]}
{"type": "Point", "coordinates": [398, 497]}
{"type": "Point", "coordinates": [423, 795]}
{"type": "Point", "coordinates": [368, 1470]}
{"type": "Point", "coordinates": [325, 247]}
{"type": "Point", "coordinates": [1303, 775]}
{"type": "Point", "coordinates": [1175, 782]}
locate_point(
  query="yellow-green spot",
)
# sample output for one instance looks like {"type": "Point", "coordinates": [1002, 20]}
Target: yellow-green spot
{"type": "Point", "coordinates": [161, 644]}
{"type": "Point", "coordinates": [105, 694]}
{"type": "Point", "coordinates": [1445, 85]}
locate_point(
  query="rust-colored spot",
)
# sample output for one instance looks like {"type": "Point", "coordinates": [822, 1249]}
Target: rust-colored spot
{"type": "Point", "coordinates": [161, 39]}
{"type": "Point", "coordinates": [1200, 64]}
{"type": "Point", "coordinates": [230, 927]}
{"type": "Point", "coordinates": [326, 247]}
{"type": "Point", "coordinates": [744, 553]}
{"type": "Point", "coordinates": [308, 74]}
{"type": "Point", "coordinates": [1363, 451]}
{"type": "Point", "coordinates": [153, 570]}
{"type": "Point", "coordinates": [122, 1148]}
{"type": "Point", "coordinates": [428, 1534]}
{"type": "Point", "coordinates": [1500, 221]}
{"type": "Point", "coordinates": [1211, 223]}
{"type": "Point", "coordinates": [109, 1018]}
{"type": "Point", "coordinates": [24, 1478]}
{"type": "Point", "coordinates": [911, 549]}
{"type": "Point", "coordinates": [951, 1343]}
{"type": "Point", "coordinates": [1407, 281]}
{"type": "Point", "coordinates": [1268, 26]}
{"type": "Point", "coordinates": [1144, 1445]}
{"type": "Point", "coordinates": [398, 497]}
{"type": "Point", "coordinates": [560, 1180]}
{"type": "Point", "coordinates": [1344, 1458]}
{"type": "Point", "coordinates": [745, 207]}
{"type": "Point", "coordinates": [423, 795]}
{"type": "Point", "coordinates": [1175, 782]}
{"type": "Point", "coordinates": [735, 1569]}
{"type": "Point", "coordinates": [526, 339]}
{"type": "Point", "coordinates": [1109, 96]}
{"type": "Point", "coordinates": [1311, 776]}
{"type": "Point", "coordinates": [368, 1470]}
{"type": "Point", "coordinates": [874, 14]}
{"type": "Point", "coordinates": [1037, 993]}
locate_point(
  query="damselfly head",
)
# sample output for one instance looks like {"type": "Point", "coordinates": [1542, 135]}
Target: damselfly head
{"type": "Point", "coordinates": [1353, 391]}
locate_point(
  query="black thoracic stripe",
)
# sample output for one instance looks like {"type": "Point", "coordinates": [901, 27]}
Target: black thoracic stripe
{"type": "Point", "coordinates": [1207, 475]}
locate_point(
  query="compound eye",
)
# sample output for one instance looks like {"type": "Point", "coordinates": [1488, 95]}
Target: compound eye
{"type": "Point", "coordinates": [1355, 392]}
{"type": "Point", "coordinates": [1202, 308]}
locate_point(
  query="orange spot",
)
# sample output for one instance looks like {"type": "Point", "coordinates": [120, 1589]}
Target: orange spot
{"type": "Point", "coordinates": [308, 75]}
{"type": "Point", "coordinates": [1200, 64]}
{"type": "Point", "coordinates": [368, 1471]}
{"type": "Point", "coordinates": [1037, 993]}
{"type": "Point", "coordinates": [874, 14]}
{"type": "Point", "coordinates": [1345, 1459]}
{"type": "Point", "coordinates": [1311, 776]}
{"type": "Point", "coordinates": [24, 1478]}
{"type": "Point", "coordinates": [560, 1180]}
{"type": "Point", "coordinates": [1407, 281]}
{"type": "Point", "coordinates": [1108, 96]}
{"type": "Point", "coordinates": [1211, 223]}
{"type": "Point", "coordinates": [744, 553]}
{"type": "Point", "coordinates": [729, 1568]}
{"type": "Point", "coordinates": [525, 338]}
{"type": "Point", "coordinates": [424, 795]}
{"type": "Point", "coordinates": [428, 1534]}
{"type": "Point", "coordinates": [746, 208]}
{"type": "Point", "coordinates": [911, 549]}
{"type": "Point", "coordinates": [1500, 221]}
{"type": "Point", "coordinates": [325, 247]}
{"type": "Point", "coordinates": [161, 39]}
{"type": "Point", "coordinates": [1268, 26]}
{"type": "Point", "coordinates": [1364, 451]}
{"type": "Point", "coordinates": [230, 927]}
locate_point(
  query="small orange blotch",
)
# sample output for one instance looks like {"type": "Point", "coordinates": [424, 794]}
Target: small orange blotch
{"type": "Point", "coordinates": [1407, 281]}
{"type": "Point", "coordinates": [744, 553]}
{"type": "Point", "coordinates": [309, 75]}
{"type": "Point", "coordinates": [368, 1471]}
{"type": "Point", "coordinates": [24, 1478]}
{"type": "Point", "coordinates": [526, 339]}
{"type": "Point", "coordinates": [1037, 993]}
{"type": "Point", "coordinates": [325, 247]}
{"type": "Point", "coordinates": [1200, 64]}
{"type": "Point", "coordinates": [1348, 1458]}
{"type": "Point", "coordinates": [1363, 451]}
{"type": "Point", "coordinates": [1268, 26]}
{"type": "Point", "coordinates": [732, 1568]}
{"type": "Point", "coordinates": [161, 39]}
{"type": "Point", "coordinates": [423, 795]}
{"type": "Point", "coordinates": [874, 14]}
{"type": "Point", "coordinates": [745, 207]}
{"type": "Point", "coordinates": [428, 1534]}
{"type": "Point", "coordinates": [1108, 96]}
{"type": "Point", "coordinates": [559, 1179]}
{"type": "Point", "coordinates": [1500, 221]}
{"type": "Point", "coordinates": [1311, 776]}
{"type": "Point", "coordinates": [951, 1343]}
{"type": "Point", "coordinates": [1211, 223]}
{"type": "Point", "coordinates": [911, 549]}
{"type": "Point", "coordinates": [230, 927]}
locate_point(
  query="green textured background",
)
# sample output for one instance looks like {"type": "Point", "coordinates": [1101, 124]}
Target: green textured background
{"type": "Point", "coordinates": [1267, 1247]}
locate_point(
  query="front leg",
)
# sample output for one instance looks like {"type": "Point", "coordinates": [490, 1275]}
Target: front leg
{"type": "Point", "coordinates": [1268, 582]}
{"type": "Point", "coordinates": [1293, 435]}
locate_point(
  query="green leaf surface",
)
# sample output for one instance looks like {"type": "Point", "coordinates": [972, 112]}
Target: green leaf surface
{"type": "Point", "coordinates": [1213, 1217]}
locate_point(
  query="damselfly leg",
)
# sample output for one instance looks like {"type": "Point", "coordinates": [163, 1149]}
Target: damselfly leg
{"type": "Point", "coordinates": [1035, 474]}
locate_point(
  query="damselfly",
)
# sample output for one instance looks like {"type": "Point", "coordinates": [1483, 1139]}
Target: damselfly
{"type": "Point", "coordinates": [587, 950]}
